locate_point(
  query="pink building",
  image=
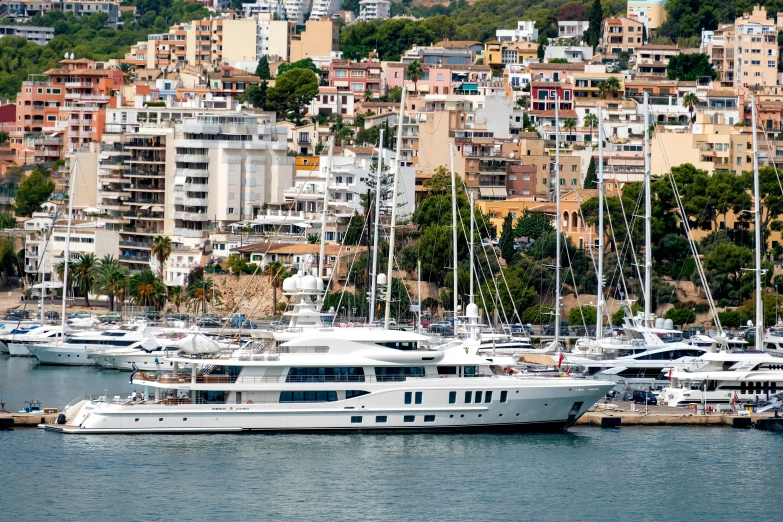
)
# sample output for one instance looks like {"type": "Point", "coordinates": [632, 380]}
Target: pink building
{"type": "Point", "coordinates": [346, 75]}
{"type": "Point", "coordinates": [439, 79]}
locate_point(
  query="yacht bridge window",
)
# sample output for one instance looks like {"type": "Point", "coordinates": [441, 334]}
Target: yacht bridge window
{"type": "Point", "coordinates": [398, 373]}
{"type": "Point", "coordinates": [308, 396]}
{"type": "Point", "coordinates": [403, 345]}
{"type": "Point", "coordinates": [325, 374]}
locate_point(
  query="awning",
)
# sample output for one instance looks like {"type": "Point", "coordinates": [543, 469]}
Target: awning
{"type": "Point", "coordinates": [469, 87]}
{"type": "Point", "coordinates": [157, 208]}
{"type": "Point", "coordinates": [47, 284]}
{"type": "Point", "coordinates": [492, 192]}
{"type": "Point", "coordinates": [303, 224]}
{"type": "Point", "coordinates": [179, 180]}
{"type": "Point", "coordinates": [144, 207]}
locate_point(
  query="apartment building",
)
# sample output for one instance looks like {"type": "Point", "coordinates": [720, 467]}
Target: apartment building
{"type": "Point", "coordinates": [23, 10]}
{"type": "Point", "coordinates": [652, 13]}
{"type": "Point", "coordinates": [296, 10]}
{"type": "Point", "coordinates": [757, 49]}
{"type": "Point", "coordinates": [438, 78]}
{"type": "Point", "coordinates": [434, 54]}
{"type": "Point", "coordinates": [331, 100]}
{"type": "Point", "coordinates": [274, 8]}
{"type": "Point", "coordinates": [111, 8]}
{"type": "Point", "coordinates": [357, 78]}
{"type": "Point", "coordinates": [324, 8]}
{"type": "Point", "coordinates": [621, 35]}
{"type": "Point", "coordinates": [586, 83]}
{"type": "Point", "coordinates": [231, 82]}
{"type": "Point", "coordinates": [572, 29]}
{"type": "Point", "coordinates": [499, 54]}
{"type": "Point", "coordinates": [653, 60]}
{"type": "Point", "coordinates": [320, 39]}
{"type": "Point", "coordinates": [526, 30]}
{"type": "Point", "coordinates": [545, 95]}
{"type": "Point", "coordinates": [374, 10]}
{"type": "Point", "coordinates": [31, 33]}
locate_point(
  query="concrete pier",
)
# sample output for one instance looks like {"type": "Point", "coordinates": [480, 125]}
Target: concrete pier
{"type": "Point", "coordinates": [27, 420]}
{"type": "Point", "coordinates": [666, 416]}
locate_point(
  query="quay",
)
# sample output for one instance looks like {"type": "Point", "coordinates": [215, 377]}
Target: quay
{"type": "Point", "coordinates": [612, 416]}
{"type": "Point", "coordinates": [28, 420]}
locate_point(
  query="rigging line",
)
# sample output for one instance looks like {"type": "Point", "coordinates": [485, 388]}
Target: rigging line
{"type": "Point", "coordinates": [576, 289]}
{"type": "Point", "coordinates": [353, 261]}
{"type": "Point", "coordinates": [629, 230]}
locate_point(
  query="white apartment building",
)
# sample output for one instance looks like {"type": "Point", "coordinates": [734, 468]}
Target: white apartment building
{"type": "Point", "coordinates": [330, 100]}
{"type": "Point", "coordinates": [262, 7]}
{"type": "Point", "coordinates": [324, 8]}
{"type": "Point", "coordinates": [295, 10]}
{"type": "Point", "coordinates": [374, 10]}
{"type": "Point", "coordinates": [526, 30]}
{"type": "Point", "coordinates": [227, 168]}
{"type": "Point", "coordinates": [572, 28]}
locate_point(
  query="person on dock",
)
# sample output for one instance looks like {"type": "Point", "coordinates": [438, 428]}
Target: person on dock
{"type": "Point", "coordinates": [134, 396]}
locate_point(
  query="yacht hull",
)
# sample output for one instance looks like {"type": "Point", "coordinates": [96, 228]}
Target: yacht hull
{"type": "Point", "coordinates": [19, 350]}
{"type": "Point", "coordinates": [125, 362]}
{"type": "Point", "coordinates": [74, 355]}
{"type": "Point", "coordinates": [548, 404]}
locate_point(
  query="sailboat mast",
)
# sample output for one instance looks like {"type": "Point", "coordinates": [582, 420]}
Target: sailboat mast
{"type": "Point", "coordinates": [454, 225]}
{"type": "Point", "coordinates": [472, 220]}
{"type": "Point", "coordinates": [600, 298]}
{"type": "Point", "coordinates": [393, 223]}
{"type": "Point", "coordinates": [647, 218]}
{"type": "Point", "coordinates": [757, 227]}
{"type": "Point", "coordinates": [558, 219]}
{"type": "Point", "coordinates": [327, 178]}
{"type": "Point", "coordinates": [378, 184]}
{"type": "Point", "coordinates": [67, 253]}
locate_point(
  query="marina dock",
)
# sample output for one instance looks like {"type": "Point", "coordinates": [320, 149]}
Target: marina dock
{"type": "Point", "coordinates": [665, 416]}
{"type": "Point", "coordinates": [28, 420]}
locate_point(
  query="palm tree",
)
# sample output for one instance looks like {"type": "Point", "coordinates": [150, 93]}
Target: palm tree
{"type": "Point", "coordinates": [176, 293]}
{"type": "Point", "coordinates": [161, 249]}
{"type": "Point", "coordinates": [591, 121]}
{"type": "Point", "coordinates": [277, 273]}
{"type": "Point", "coordinates": [569, 125]}
{"type": "Point", "coordinates": [691, 101]}
{"type": "Point", "coordinates": [83, 271]}
{"type": "Point", "coordinates": [127, 72]}
{"type": "Point", "coordinates": [415, 73]}
{"type": "Point", "coordinates": [368, 95]}
{"type": "Point", "coordinates": [201, 291]}
{"type": "Point", "coordinates": [146, 289]}
{"type": "Point", "coordinates": [609, 87]}
{"type": "Point", "coordinates": [110, 278]}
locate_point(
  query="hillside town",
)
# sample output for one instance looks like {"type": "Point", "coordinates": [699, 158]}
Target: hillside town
{"type": "Point", "coordinates": [229, 150]}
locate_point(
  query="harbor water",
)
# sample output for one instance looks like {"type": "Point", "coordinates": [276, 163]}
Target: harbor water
{"type": "Point", "coordinates": [682, 473]}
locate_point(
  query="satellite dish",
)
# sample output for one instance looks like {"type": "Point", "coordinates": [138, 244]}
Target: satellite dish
{"type": "Point", "coordinates": [71, 56]}
{"type": "Point", "coordinates": [511, 155]}
{"type": "Point", "coordinates": [66, 56]}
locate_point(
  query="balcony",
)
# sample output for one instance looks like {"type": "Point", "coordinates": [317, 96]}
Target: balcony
{"type": "Point", "coordinates": [196, 187]}
{"type": "Point", "coordinates": [136, 244]}
{"type": "Point", "coordinates": [191, 202]}
{"type": "Point", "coordinates": [191, 216]}
{"type": "Point", "coordinates": [192, 158]}
{"type": "Point", "coordinates": [82, 85]}
{"type": "Point", "coordinates": [134, 258]}
{"type": "Point", "coordinates": [190, 233]}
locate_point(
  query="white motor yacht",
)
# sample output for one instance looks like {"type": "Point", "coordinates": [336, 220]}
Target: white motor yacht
{"type": "Point", "coordinates": [773, 340]}
{"type": "Point", "coordinates": [150, 358]}
{"type": "Point", "coordinates": [337, 382]}
{"type": "Point", "coordinates": [746, 375]}
{"type": "Point", "coordinates": [73, 350]}
{"type": "Point", "coordinates": [17, 344]}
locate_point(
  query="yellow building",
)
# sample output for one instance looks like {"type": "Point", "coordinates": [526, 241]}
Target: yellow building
{"type": "Point", "coordinates": [320, 38]}
{"type": "Point", "coordinates": [586, 82]}
{"type": "Point", "coordinates": [651, 11]}
{"type": "Point", "coordinates": [621, 35]}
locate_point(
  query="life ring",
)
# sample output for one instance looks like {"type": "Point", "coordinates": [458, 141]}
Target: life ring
{"type": "Point", "coordinates": [249, 402]}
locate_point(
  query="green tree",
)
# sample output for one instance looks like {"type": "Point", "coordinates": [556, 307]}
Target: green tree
{"type": "Point", "coordinates": [582, 315]}
{"type": "Point", "coordinates": [596, 17]}
{"type": "Point", "coordinates": [7, 220]}
{"type": "Point", "coordinates": [176, 295]}
{"type": "Point", "coordinates": [277, 273]}
{"type": "Point", "coordinates": [161, 249]}
{"type": "Point", "coordinates": [368, 96]}
{"type": "Point", "coordinates": [306, 63]}
{"type": "Point", "coordinates": [609, 88]}
{"type": "Point", "coordinates": [680, 316]}
{"type": "Point", "coordinates": [569, 125]}
{"type": "Point", "coordinates": [84, 273]}
{"type": "Point", "coordinates": [591, 178]}
{"type": "Point", "coordinates": [590, 121]}
{"type": "Point", "coordinates": [729, 259]}
{"type": "Point", "coordinates": [146, 289]}
{"type": "Point", "coordinates": [236, 264]}
{"type": "Point", "coordinates": [255, 95]}
{"type": "Point", "coordinates": [730, 319]}
{"type": "Point", "coordinates": [538, 314]}
{"type": "Point", "coordinates": [3, 137]}
{"type": "Point", "coordinates": [507, 239]}
{"type": "Point", "coordinates": [292, 93]}
{"type": "Point", "coordinates": [533, 225]}
{"type": "Point", "coordinates": [395, 95]}
{"type": "Point", "coordinates": [690, 67]}
{"type": "Point", "coordinates": [201, 291]}
{"type": "Point", "coordinates": [110, 278]}
{"type": "Point", "coordinates": [541, 52]}
{"type": "Point", "coordinates": [353, 235]}
{"type": "Point", "coordinates": [691, 101]}
{"type": "Point", "coordinates": [33, 190]}
{"type": "Point", "coordinates": [415, 73]}
{"type": "Point", "coordinates": [262, 69]}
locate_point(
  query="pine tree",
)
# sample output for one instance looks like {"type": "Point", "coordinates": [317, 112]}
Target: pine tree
{"type": "Point", "coordinates": [262, 70]}
{"type": "Point", "coordinates": [591, 178]}
{"type": "Point", "coordinates": [596, 17]}
{"type": "Point", "coordinates": [541, 52]}
{"type": "Point", "coordinates": [507, 239]}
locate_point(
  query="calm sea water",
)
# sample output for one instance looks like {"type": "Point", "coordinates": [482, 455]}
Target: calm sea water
{"type": "Point", "coordinates": [586, 474]}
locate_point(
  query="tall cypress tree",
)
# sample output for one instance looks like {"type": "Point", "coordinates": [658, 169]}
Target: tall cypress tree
{"type": "Point", "coordinates": [507, 239]}
{"type": "Point", "coordinates": [262, 70]}
{"type": "Point", "coordinates": [591, 178]}
{"type": "Point", "coordinates": [596, 17]}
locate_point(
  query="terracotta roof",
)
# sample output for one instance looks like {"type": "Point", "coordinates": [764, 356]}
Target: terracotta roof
{"type": "Point", "coordinates": [724, 92]}
{"type": "Point", "coordinates": [654, 47]}
{"type": "Point", "coordinates": [551, 114]}
{"type": "Point", "coordinates": [79, 72]}
{"type": "Point", "coordinates": [343, 64]}
{"type": "Point", "coordinates": [364, 151]}
{"type": "Point", "coordinates": [527, 135]}
{"type": "Point", "coordinates": [456, 44]}
{"type": "Point", "coordinates": [550, 84]}
{"type": "Point", "coordinates": [557, 67]}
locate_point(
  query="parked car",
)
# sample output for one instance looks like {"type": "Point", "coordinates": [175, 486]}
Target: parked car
{"type": "Point", "coordinates": [690, 332]}
{"type": "Point", "coordinates": [80, 315]}
{"type": "Point", "coordinates": [111, 317]}
{"type": "Point", "coordinates": [51, 315]}
{"type": "Point", "coordinates": [234, 316]}
{"type": "Point", "coordinates": [16, 315]}
{"type": "Point", "coordinates": [238, 322]}
{"type": "Point", "coordinates": [644, 397]}
{"type": "Point", "coordinates": [208, 323]}
{"type": "Point", "coordinates": [550, 328]}
{"type": "Point", "coordinates": [581, 331]}
{"type": "Point", "coordinates": [440, 329]}
{"type": "Point", "coordinates": [177, 317]}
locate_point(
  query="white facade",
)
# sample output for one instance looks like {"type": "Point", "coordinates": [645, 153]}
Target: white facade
{"type": "Point", "coordinates": [324, 8]}
{"type": "Point", "coordinates": [295, 10]}
{"type": "Point", "coordinates": [573, 54]}
{"type": "Point", "coordinates": [374, 10]}
{"type": "Point", "coordinates": [331, 101]}
{"type": "Point", "coordinates": [526, 30]}
{"type": "Point", "coordinates": [260, 7]}
{"type": "Point", "coordinates": [572, 29]}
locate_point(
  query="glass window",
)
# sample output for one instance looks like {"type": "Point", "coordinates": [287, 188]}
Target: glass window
{"type": "Point", "coordinates": [468, 397]}
{"type": "Point", "coordinates": [349, 394]}
{"type": "Point", "coordinates": [478, 396]}
{"type": "Point", "coordinates": [356, 419]}
{"type": "Point", "coordinates": [397, 373]}
{"type": "Point", "coordinates": [408, 396]}
{"type": "Point", "coordinates": [488, 397]}
{"type": "Point", "coordinates": [470, 371]}
{"type": "Point", "coordinates": [452, 397]}
{"type": "Point", "coordinates": [409, 418]}
{"type": "Point", "coordinates": [418, 397]}
{"type": "Point", "coordinates": [338, 374]}
{"type": "Point", "coordinates": [380, 418]}
{"type": "Point", "coordinates": [503, 396]}
{"type": "Point", "coordinates": [429, 418]}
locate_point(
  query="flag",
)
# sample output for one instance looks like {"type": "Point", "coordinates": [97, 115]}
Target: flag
{"type": "Point", "coordinates": [670, 374]}
{"type": "Point", "coordinates": [735, 400]}
{"type": "Point", "coordinates": [568, 371]}
{"type": "Point", "coordinates": [560, 361]}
